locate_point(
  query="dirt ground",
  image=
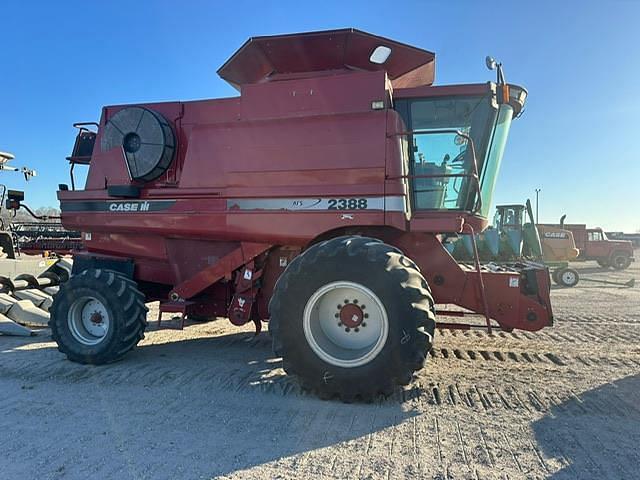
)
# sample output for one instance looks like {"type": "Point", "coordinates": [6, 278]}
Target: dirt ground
{"type": "Point", "coordinates": [211, 402]}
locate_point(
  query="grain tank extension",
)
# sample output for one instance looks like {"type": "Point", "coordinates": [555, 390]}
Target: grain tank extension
{"type": "Point", "coordinates": [313, 200]}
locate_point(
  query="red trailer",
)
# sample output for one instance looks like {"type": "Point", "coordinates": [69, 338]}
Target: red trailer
{"type": "Point", "coordinates": [314, 200]}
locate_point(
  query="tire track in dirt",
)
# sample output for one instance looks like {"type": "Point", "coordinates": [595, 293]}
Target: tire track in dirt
{"type": "Point", "coordinates": [264, 374]}
{"type": "Point", "coordinates": [533, 359]}
{"type": "Point", "coordinates": [623, 332]}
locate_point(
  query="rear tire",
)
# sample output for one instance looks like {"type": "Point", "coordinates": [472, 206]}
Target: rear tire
{"type": "Point", "coordinates": [352, 317]}
{"type": "Point", "coordinates": [568, 277]}
{"type": "Point", "coordinates": [98, 316]}
{"type": "Point", "coordinates": [603, 263]}
{"type": "Point", "coordinates": [620, 260]}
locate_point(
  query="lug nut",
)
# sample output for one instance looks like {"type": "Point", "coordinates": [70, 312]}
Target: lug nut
{"type": "Point", "coordinates": [346, 301]}
{"type": "Point", "coordinates": [337, 315]}
{"type": "Point", "coordinates": [355, 301]}
{"type": "Point", "coordinates": [362, 307]}
{"type": "Point", "coordinates": [339, 324]}
{"type": "Point", "coordinates": [339, 307]}
{"type": "Point", "coordinates": [366, 315]}
{"type": "Point", "coordinates": [364, 324]}
{"type": "Point", "coordinates": [357, 329]}
{"type": "Point", "coordinates": [347, 329]}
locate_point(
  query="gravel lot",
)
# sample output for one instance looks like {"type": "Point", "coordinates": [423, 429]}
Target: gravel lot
{"type": "Point", "coordinates": [212, 402]}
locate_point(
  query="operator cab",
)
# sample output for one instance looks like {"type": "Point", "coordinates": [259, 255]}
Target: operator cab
{"type": "Point", "coordinates": [509, 217]}
{"type": "Point", "coordinates": [456, 139]}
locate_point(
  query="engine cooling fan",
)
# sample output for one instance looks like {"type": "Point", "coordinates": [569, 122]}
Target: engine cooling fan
{"type": "Point", "coordinates": [145, 137]}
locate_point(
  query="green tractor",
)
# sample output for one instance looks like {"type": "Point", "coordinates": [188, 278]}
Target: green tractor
{"type": "Point", "coordinates": [514, 237]}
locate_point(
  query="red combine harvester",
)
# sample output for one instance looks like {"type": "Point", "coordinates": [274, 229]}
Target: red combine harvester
{"type": "Point", "coordinates": [315, 200]}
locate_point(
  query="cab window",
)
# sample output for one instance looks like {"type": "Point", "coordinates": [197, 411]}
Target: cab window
{"type": "Point", "coordinates": [595, 236]}
{"type": "Point", "coordinates": [440, 159]}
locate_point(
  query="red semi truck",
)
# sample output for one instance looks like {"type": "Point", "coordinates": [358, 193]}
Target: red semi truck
{"type": "Point", "coordinates": [313, 200]}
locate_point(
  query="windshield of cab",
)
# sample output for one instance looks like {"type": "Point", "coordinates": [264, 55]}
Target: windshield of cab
{"type": "Point", "coordinates": [511, 217]}
{"type": "Point", "coordinates": [441, 156]}
{"type": "Point", "coordinates": [597, 236]}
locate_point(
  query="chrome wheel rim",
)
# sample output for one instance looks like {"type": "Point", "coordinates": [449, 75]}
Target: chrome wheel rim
{"type": "Point", "coordinates": [345, 324]}
{"type": "Point", "coordinates": [88, 320]}
{"type": "Point", "coordinates": [568, 278]}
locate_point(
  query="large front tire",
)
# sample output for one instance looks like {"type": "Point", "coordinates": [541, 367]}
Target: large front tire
{"type": "Point", "coordinates": [352, 317]}
{"type": "Point", "coordinates": [97, 316]}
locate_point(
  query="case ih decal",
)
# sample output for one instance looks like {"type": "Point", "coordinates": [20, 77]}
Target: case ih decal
{"type": "Point", "coordinates": [117, 207]}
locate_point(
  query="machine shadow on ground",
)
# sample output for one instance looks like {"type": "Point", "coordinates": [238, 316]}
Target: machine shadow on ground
{"type": "Point", "coordinates": [222, 402]}
{"type": "Point", "coordinates": [596, 434]}
{"type": "Point", "coordinates": [239, 362]}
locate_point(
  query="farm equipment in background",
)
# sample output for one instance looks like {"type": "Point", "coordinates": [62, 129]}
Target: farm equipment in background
{"type": "Point", "coordinates": [27, 282]}
{"type": "Point", "coordinates": [594, 245]}
{"type": "Point", "coordinates": [559, 246]}
{"type": "Point", "coordinates": [313, 200]}
{"type": "Point", "coordinates": [34, 238]}
{"type": "Point", "coordinates": [513, 237]}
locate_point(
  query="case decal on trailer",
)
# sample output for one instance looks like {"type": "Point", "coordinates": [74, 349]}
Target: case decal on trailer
{"type": "Point", "coordinates": [384, 203]}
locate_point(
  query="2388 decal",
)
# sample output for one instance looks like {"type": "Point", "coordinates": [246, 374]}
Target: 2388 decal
{"type": "Point", "coordinates": [347, 204]}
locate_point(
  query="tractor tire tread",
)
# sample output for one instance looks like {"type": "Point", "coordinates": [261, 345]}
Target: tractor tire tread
{"type": "Point", "coordinates": [129, 319]}
{"type": "Point", "coordinates": [414, 299]}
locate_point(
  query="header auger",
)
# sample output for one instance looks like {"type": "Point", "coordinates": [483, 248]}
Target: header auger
{"type": "Point", "coordinates": [313, 200]}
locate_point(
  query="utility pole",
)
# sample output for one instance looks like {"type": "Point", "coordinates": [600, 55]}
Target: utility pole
{"type": "Point", "coordinates": [538, 190]}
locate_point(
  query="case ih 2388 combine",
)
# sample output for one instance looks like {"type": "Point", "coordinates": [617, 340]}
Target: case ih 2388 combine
{"type": "Point", "coordinates": [313, 200]}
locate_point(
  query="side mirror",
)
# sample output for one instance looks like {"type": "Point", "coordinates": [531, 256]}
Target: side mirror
{"type": "Point", "coordinates": [490, 62]}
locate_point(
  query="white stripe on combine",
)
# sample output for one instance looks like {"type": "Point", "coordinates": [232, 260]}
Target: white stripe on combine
{"type": "Point", "coordinates": [383, 203]}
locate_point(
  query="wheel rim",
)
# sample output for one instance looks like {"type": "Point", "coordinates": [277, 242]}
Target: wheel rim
{"type": "Point", "coordinates": [568, 278]}
{"type": "Point", "coordinates": [88, 320]}
{"type": "Point", "coordinates": [345, 324]}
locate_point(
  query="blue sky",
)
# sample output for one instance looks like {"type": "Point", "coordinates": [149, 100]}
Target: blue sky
{"type": "Point", "coordinates": [578, 140]}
